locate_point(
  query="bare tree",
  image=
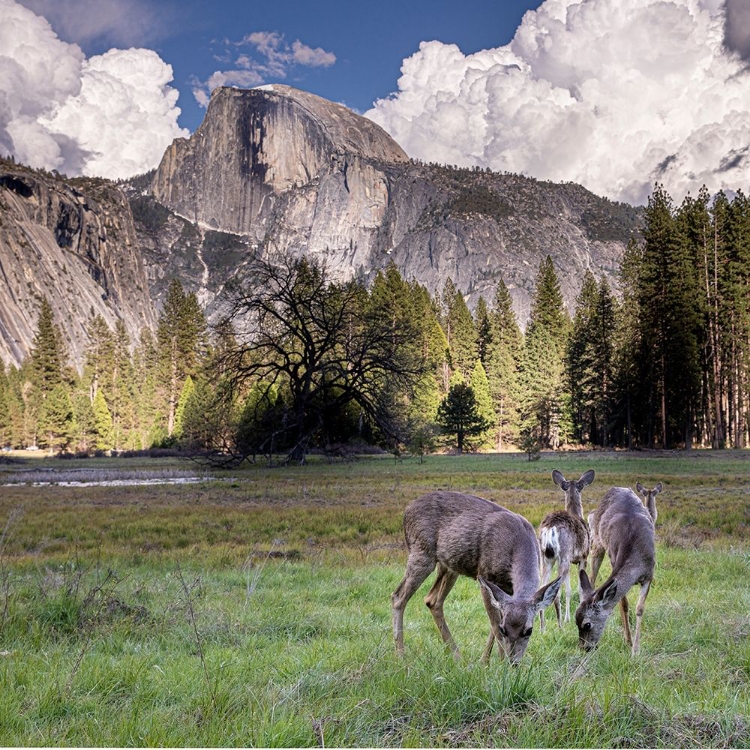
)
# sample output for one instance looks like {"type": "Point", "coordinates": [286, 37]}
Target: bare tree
{"type": "Point", "coordinates": [321, 345]}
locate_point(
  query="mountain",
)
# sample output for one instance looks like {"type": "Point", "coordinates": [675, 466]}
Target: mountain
{"type": "Point", "coordinates": [277, 169]}
{"type": "Point", "coordinates": [72, 241]}
{"type": "Point", "coordinates": [280, 169]}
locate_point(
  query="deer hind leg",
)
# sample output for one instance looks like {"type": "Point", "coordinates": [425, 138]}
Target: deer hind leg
{"type": "Point", "coordinates": [444, 582]}
{"type": "Point", "coordinates": [625, 622]}
{"type": "Point", "coordinates": [547, 566]}
{"type": "Point", "coordinates": [418, 567]}
{"type": "Point", "coordinates": [639, 616]}
{"type": "Point", "coordinates": [565, 575]}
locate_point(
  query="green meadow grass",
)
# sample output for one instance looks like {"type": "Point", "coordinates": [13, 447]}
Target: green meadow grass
{"type": "Point", "coordinates": [255, 611]}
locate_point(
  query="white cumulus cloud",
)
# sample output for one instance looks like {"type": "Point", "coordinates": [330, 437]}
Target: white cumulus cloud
{"type": "Point", "coordinates": [111, 115]}
{"type": "Point", "coordinates": [614, 95]}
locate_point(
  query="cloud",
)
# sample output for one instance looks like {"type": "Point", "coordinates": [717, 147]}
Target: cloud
{"type": "Point", "coordinates": [737, 27]}
{"type": "Point", "coordinates": [270, 57]}
{"type": "Point", "coordinates": [117, 22]}
{"type": "Point", "coordinates": [609, 94]}
{"type": "Point", "coordinates": [110, 115]}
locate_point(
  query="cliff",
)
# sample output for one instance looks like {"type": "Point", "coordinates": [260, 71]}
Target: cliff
{"type": "Point", "coordinates": [74, 242]}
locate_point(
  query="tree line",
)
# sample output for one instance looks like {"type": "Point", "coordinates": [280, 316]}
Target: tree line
{"type": "Point", "coordinates": [299, 360]}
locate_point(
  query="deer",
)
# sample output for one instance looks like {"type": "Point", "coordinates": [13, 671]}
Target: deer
{"type": "Point", "coordinates": [466, 535]}
{"type": "Point", "coordinates": [564, 538]}
{"type": "Point", "coordinates": [623, 528]}
{"type": "Point", "coordinates": [649, 497]}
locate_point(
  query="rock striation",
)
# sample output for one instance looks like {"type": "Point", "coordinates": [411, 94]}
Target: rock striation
{"type": "Point", "coordinates": [72, 241]}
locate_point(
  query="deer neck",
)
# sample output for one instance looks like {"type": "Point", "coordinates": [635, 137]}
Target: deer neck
{"type": "Point", "coordinates": [573, 505]}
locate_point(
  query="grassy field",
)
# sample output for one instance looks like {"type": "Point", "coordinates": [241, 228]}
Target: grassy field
{"type": "Point", "coordinates": [253, 609]}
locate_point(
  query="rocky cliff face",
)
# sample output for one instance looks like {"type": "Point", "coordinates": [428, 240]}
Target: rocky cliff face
{"type": "Point", "coordinates": [281, 169]}
{"type": "Point", "coordinates": [73, 242]}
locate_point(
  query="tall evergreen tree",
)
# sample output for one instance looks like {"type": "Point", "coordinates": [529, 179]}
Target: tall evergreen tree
{"type": "Point", "coordinates": [483, 328]}
{"type": "Point", "coordinates": [458, 415]}
{"type": "Point", "coordinates": [544, 410]}
{"type": "Point", "coordinates": [503, 354]}
{"type": "Point", "coordinates": [485, 408]}
{"type": "Point", "coordinates": [102, 423]}
{"type": "Point", "coordinates": [459, 329]}
{"type": "Point", "coordinates": [181, 345]}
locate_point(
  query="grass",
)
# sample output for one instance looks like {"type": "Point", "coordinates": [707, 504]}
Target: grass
{"type": "Point", "coordinates": [254, 611]}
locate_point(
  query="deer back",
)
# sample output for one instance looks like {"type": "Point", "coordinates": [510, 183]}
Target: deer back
{"type": "Point", "coordinates": [572, 536]}
{"type": "Point", "coordinates": [625, 529]}
{"type": "Point", "coordinates": [475, 537]}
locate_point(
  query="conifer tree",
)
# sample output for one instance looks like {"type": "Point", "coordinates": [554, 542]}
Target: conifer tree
{"type": "Point", "coordinates": [182, 342]}
{"type": "Point", "coordinates": [483, 329]}
{"type": "Point", "coordinates": [459, 329]}
{"type": "Point", "coordinates": [503, 354]}
{"type": "Point", "coordinates": [458, 415]}
{"type": "Point", "coordinates": [56, 425]}
{"type": "Point", "coordinates": [543, 404]}
{"type": "Point", "coordinates": [98, 363]}
{"type": "Point", "coordinates": [47, 353]}
{"type": "Point", "coordinates": [188, 391]}
{"type": "Point", "coordinates": [485, 408]}
{"type": "Point", "coordinates": [102, 422]}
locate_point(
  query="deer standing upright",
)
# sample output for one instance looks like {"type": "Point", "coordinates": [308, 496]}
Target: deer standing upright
{"type": "Point", "coordinates": [467, 535]}
{"type": "Point", "coordinates": [624, 529]}
{"type": "Point", "coordinates": [564, 538]}
{"type": "Point", "coordinates": [649, 498]}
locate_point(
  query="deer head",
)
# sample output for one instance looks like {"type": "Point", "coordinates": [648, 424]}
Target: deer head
{"type": "Point", "coordinates": [594, 610]}
{"type": "Point", "coordinates": [513, 618]}
{"type": "Point", "coordinates": [573, 490]}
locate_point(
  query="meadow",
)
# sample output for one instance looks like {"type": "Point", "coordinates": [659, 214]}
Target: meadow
{"type": "Point", "coordinates": [252, 608]}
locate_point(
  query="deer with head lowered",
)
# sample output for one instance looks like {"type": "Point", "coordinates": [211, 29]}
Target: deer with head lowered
{"type": "Point", "coordinates": [623, 528]}
{"type": "Point", "coordinates": [649, 498]}
{"type": "Point", "coordinates": [564, 538]}
{"type": "Point", "coordinates": [467, 535]}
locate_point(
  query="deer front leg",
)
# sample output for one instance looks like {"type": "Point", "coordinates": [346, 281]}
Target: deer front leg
{"type": "Point", "coordinates": [639, 616]}
{"type": "Point", "coordinates": [625, 621]}
{"type": "Point", "coordinates": [547, 566]}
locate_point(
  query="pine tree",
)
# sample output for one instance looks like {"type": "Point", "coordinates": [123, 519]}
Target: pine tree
{"type": "Point", "coordinates": [102, 422]}
{"type": "Point", "coordinates": [459, 329]}
{"type": "Point", "coordinates": [47, 353]}
{"type": "Point", "coordinates": [503, 354]}
{"type": "Point", "coordinates": [188, 391]}
{"type": "Point", "coordinates": [543, 404]}
{"type": "Point", "coordinates": [56, 425]}
{"type": "Point", "coordinates": [458, 415]}
{"type": "Point", "coordinates": [485, 408]}
{"type": "Point", "coordinates": [181, 345]}
{"type": "Point", "coordinates": [483, 328]}
{"type": "Point", "coordinates": [98, 363]}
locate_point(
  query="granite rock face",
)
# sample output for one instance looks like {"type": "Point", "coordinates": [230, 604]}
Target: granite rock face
{"type": "Point", "coordinates": [72, 241]}
{"type": "Point", "coordinates": [283, 170]}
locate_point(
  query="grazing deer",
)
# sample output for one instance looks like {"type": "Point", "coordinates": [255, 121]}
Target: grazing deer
{"type": "Point", "coordinates": [467, 535]}
{"type": "Point", "coordinates": [564, 538]}
{"type": "Point", "coordinates": [622, 528]}
{"type": "Point", "coordinates": [649, 498]}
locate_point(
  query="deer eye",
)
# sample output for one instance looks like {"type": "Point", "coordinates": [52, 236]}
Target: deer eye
{"type": "Point", "coordinates": [526, 633]}
{"type": "Point", "coordinates": [586, 626]}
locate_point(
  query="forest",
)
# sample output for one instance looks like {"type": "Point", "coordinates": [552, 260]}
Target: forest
{"type": "Point", "coordinates": [301, 362]}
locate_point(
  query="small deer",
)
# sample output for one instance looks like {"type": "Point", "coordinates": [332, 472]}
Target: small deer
{"type": "Point", "coordinates": [564, 538]}
{"type": "Point", "coordinates": [649, 497]}
{"type": "Point", "coordinates": [467, 535]}
{"type": "Point", "coordinates": [622, 528]}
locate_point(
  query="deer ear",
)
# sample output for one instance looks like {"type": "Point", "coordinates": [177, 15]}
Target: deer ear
{"type": "Point", "coordinates": [586, 479]}
{"type": "Point", "coordinates": [658, 487]}
{"type": "Point", "coordinates": [586, 587]}
{"type": "Point", "coordinates": [558, 478]}
{"type": "Point", "coordinates": [498, 597]}
{"type": "Point", "coordinates": [546, 595]}
{"type": "Point", "coordinates": [640, 488]}
{"type": "Point", "coordinates": [608, 595]}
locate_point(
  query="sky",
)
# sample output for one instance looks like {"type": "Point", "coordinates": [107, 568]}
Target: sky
{"type": "Point", "coordinates": [613, 94]}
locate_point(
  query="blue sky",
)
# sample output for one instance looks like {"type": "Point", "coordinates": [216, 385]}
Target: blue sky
{"type": "Point", "coordinates": [613, 94]}
{"type": "Point", "coordinates": [368, 39]}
